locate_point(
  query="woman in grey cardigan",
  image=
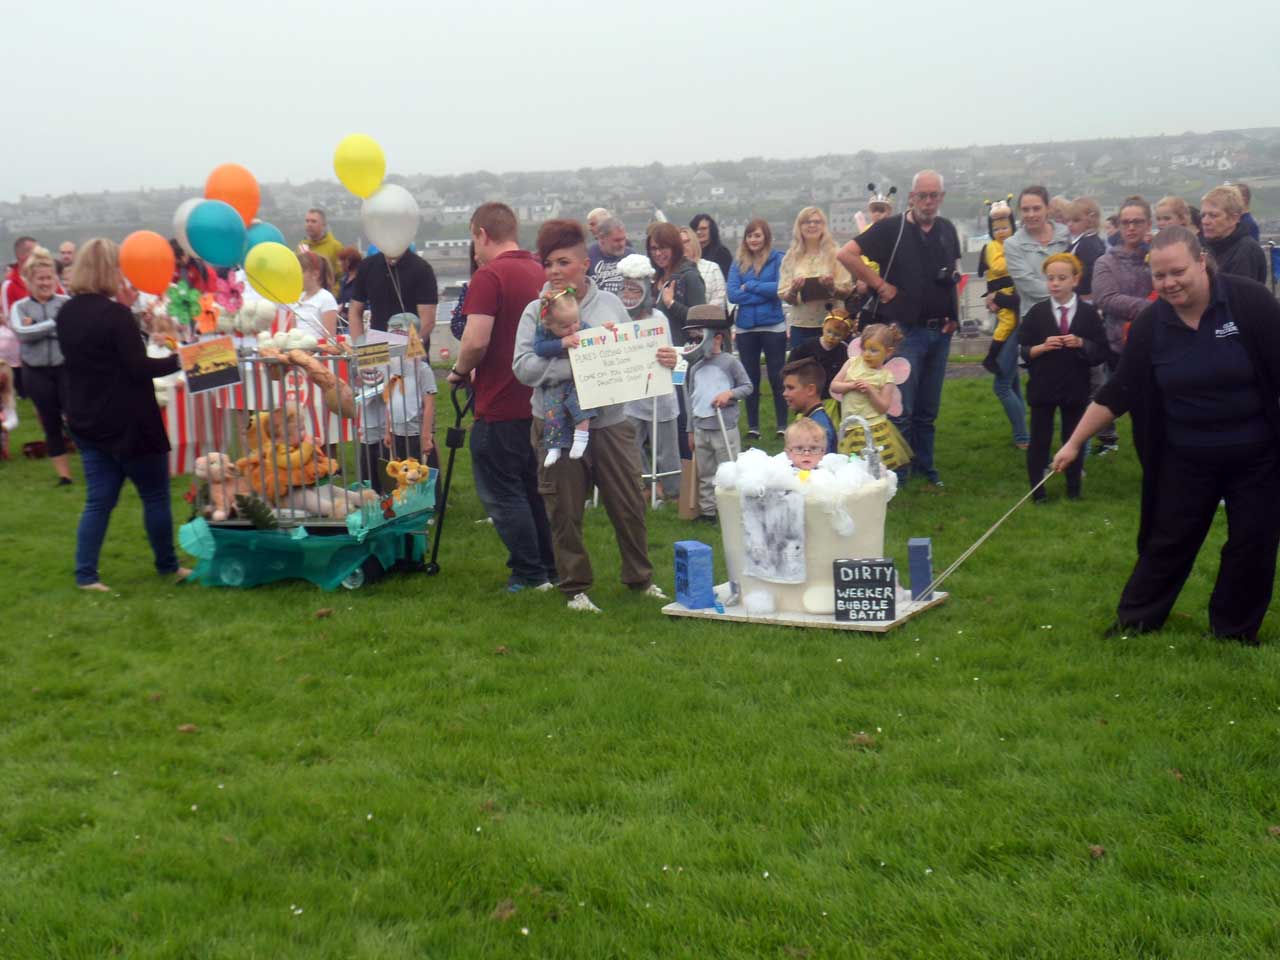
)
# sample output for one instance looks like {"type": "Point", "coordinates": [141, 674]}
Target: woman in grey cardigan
{"type": "Point", "coordinates": [33, 319]}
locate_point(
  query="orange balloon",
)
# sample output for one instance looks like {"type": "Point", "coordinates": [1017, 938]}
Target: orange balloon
{"type": "Point", "coordinates": [233, 184]}
{"type": "Point", "coordinates": [146, 260]}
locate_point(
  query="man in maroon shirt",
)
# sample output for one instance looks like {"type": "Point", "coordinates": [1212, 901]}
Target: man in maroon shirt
{"type": "Point", "coordinates": [502, 454]}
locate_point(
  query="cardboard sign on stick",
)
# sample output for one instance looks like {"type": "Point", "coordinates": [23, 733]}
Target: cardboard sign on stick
{"type": "Point", "coordinates": [614, 366]}
{"type": "Point", "coordinates": [210, 364]}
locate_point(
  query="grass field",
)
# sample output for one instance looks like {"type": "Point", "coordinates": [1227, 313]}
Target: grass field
{"type": "Point", "coordinates": [439, 769]}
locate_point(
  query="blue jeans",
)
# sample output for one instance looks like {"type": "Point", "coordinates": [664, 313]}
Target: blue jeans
{"type": "Point", "coordinates": [774, 346]}
{"type": "Point", "coordinates": [927, 351]}
{"type": "Point", "coordinates": [104, 475]}
{"type": "Point", "coordinates": [1007, 387]}
{"type": "Point", "coordinates": [800, 335]}
{"type": "Point", "coordinates": [505, 468]}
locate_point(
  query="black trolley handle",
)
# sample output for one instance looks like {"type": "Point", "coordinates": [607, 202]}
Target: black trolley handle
{"type": "Point", "coordinates": [454, 438]}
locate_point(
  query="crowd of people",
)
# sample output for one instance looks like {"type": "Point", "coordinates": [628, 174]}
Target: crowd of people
{"type": "Point", "coordinates": [1161, 313]}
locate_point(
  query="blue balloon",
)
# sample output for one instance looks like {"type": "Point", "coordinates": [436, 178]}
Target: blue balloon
{"type": "Point", "coordinates": [216, 233]}
{"type": "Point", "coordinates": [262, 233]}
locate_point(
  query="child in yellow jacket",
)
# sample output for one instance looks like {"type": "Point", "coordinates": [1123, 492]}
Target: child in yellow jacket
{"type": "Point", "coordinates": [1001, 297]}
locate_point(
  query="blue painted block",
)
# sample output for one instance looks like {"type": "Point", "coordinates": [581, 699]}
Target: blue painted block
{"type": "Point", "coordinates": [920, 562]}
{"type": "Point", "coordinates": [695, 575]}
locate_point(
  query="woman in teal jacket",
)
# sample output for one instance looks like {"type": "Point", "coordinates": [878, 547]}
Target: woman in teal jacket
{"type": "Point", "coordinates": [760, 325]}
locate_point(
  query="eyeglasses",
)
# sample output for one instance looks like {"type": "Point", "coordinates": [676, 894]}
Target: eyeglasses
{"type": "Point", "coordinates": [931, 195]}
{"type": "Point", "coordinates": [807, 451]}
{"type": "Point", "coordinates": [1133, 223]}
{"type": "Point", "coordinates": [813, 223]}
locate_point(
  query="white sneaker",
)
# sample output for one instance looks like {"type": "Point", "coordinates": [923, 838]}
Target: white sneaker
{"type": "Point", "coordinates": [655, 591]}
{"type": "Point", "coordinates": [545, 586]}
{"type": "Point", "coordinates": [582, 602]}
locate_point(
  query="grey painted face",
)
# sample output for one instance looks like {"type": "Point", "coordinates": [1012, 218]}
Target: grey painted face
{"type": "Point", "coordinates": [695, 352]}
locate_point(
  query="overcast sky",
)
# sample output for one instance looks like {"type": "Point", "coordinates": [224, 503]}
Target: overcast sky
{"type": "Point", "coordinates": [130, 93]}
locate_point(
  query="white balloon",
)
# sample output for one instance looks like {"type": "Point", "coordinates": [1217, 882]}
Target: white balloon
{"type": "Point", "coordinates": [180, 223]}
{"type": "Point", "coordinates": [390, 219]}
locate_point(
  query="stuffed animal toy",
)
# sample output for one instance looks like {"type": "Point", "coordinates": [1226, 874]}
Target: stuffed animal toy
{"type": "Point", "coordinates": [207, 318]}
{"type": "Point", "coordinates": [1000, 290]}
{"type": "Point", "coordinates": [225, 484]}
{"type": "Point", "coordinates": [284, 467]}
{"type": "Point", "coordinates": [406, 473]}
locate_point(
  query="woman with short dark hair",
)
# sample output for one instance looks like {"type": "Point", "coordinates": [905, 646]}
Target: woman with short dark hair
{"type": "Point", "coordinates": [112, 411]}
{"type": "Point", "coordinates": [611, 462]}
{"type": "Point", "coordinates": [1200, 375]}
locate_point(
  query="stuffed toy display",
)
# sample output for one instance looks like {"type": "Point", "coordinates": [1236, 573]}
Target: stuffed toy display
{"type": "Point", "coordinates": [406, 473]}
{"type": "Point", "coordinates": [338, 398]}
{"type": "Point", "coordinates": [219, 471]}
{"type": "Point", "coordinates": [868, 387]}
{"type": "Point", "coordinates": [285, 467]}
{"type": "Point", "coordinates": [1000, 290]}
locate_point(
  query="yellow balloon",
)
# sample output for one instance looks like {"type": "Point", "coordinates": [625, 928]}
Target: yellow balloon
{"type": "Point", "coordinates": [274, 271]}
{"type": "Point", "coordinates": [360, 164]}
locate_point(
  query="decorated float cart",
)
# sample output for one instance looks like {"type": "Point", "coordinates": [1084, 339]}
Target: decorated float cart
{"type": "Point", "coordinates": [805, 548]}
{"type": "Point", "coordinates": [285, 488]}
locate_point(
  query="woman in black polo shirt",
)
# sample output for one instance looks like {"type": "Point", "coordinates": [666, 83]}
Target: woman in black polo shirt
{"type": "Point", "coordinates": [1200, 374]}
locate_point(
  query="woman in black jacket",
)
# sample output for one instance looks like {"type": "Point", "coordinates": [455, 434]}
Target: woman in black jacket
{"type": "Point", "coordinates": [112, 411]}
{"type": "Point", "coordinates": [1233, 247]}
{"type": "Point", "coordinates": [1200, 374]}
{"type": "Point", "coordinates": [708, 233]}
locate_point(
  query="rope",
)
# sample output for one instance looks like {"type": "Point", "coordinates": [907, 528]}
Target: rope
{"type": "Point", "coordinates": [982, 539]}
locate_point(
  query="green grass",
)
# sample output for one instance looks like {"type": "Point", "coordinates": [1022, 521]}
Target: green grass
{"type": "Point", "coordinates": [438, 767]}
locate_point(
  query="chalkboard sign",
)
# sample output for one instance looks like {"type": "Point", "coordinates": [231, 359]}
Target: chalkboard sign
{"type": "Point", "coordinates": [865, 591]}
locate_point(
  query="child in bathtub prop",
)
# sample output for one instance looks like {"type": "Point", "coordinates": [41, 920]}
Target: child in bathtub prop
{"type": "Point", "coordinates": [786, 520]}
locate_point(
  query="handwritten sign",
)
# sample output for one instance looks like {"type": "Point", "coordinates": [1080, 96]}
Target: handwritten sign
{"type": "Point", "coordinates": [865, 591]}
{"type": "Point", "coordinates": [614, 366]}
{"type": "Point", "coordinates": [373, 354]}
{"type": "Point", "coordinates": [210, 364]}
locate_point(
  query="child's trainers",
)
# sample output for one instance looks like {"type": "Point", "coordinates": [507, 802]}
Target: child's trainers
{"type": "Point", "coordinates": [582, 602]}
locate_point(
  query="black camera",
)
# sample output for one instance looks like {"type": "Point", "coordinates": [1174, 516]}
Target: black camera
{"type": "Point", "coordinates": [947, 277]}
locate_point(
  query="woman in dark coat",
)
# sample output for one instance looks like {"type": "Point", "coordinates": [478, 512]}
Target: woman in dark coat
{"type": "Point", "coordinates": [1200, 375]}
{"type": "Point", "coordinates": [112, 411]}
{"type": "Point", "coordinates": [677, 286]}
{"type": "Point", "coordinates": [708, 233]}
{"type": "Point", "coordinates": [1234, 249]}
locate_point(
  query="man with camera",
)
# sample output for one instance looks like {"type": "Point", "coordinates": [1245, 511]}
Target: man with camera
{"type": "Point", "coordinates": [916, 289]}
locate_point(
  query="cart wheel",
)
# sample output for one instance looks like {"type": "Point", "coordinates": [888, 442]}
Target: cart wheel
{"type": "Point", "coordinates": [231, 572]}
{"type": "Point", "coordinates": [433, 568]}
{"type": "Point", "coordinates": [368, 572]}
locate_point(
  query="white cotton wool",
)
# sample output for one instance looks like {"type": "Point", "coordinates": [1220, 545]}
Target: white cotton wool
{"type": "Point", "coordinates": [759, 603]}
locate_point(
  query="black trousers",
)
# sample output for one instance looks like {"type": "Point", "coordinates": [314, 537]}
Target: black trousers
{"type": "Point", "coordinates": [1187, 497]}
{"type": "Point", "coordinates": [1042, 439]}
{"type": "Point", "coordinates": [47, 388]}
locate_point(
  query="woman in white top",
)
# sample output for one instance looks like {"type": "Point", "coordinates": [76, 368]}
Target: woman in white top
{"type": "Point", "coordinates": [317, 311]}
{"type": "Point", "coordinates": [710, 271]}
{"type": "Point", "coordinates": [811, 279]}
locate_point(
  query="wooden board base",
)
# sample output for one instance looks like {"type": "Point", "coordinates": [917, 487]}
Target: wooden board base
{"type": "Point", "coordinates": [787, 618]}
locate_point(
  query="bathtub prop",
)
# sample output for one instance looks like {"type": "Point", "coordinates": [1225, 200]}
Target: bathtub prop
{"type": "Point", "coordinates": [784, 532]}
